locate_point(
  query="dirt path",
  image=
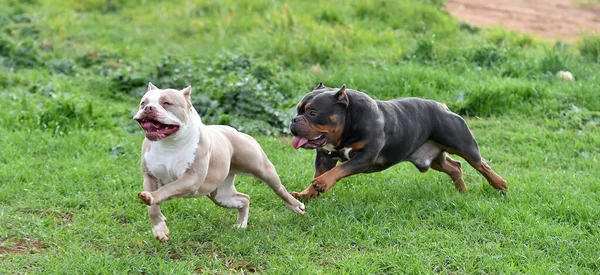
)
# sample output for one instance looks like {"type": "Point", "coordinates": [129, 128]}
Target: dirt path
{"type": "Point", "coordinates": [551, 19]}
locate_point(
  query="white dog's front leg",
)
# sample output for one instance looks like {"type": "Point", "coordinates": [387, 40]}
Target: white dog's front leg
{"type": "Point", "coordinates": [157, 219]}
{"type": "Point", "coordinates": [158, 222]}
{"type": "Point", "coordinates": [187, 185]}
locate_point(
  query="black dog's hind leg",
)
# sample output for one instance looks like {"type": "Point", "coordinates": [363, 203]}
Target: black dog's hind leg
{"type": "Point", "coordinates": [454, 136]}
{"type": "Point", "coordinates": [452, 168]}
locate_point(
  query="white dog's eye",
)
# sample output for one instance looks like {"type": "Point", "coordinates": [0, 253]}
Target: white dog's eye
{"type": "Point", "coordinates": [167, 103]}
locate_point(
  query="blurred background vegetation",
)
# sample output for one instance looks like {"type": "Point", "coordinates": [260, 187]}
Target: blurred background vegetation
{"type": "Point", "coordinates": [84, 64]}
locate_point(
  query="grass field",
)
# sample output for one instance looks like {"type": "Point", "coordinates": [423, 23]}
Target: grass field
{"type": "Point", "coordinates": [71, 73]}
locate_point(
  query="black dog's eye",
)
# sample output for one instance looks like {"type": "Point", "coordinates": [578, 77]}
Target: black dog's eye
{"type": "Point", "coordinates": [312, 113]}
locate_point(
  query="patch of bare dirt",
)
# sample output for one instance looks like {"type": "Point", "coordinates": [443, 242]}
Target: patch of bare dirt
{"type": "Point", "coordinates": [550, 19]}
{"type": "Point", "coordinates": [21, 246]}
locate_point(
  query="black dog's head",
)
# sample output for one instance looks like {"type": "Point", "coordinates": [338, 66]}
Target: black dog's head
{"type": "Point", "coordinates": [321, 118]}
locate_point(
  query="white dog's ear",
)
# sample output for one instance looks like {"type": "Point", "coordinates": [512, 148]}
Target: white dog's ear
{"type": "Point", "coordinates": [151, 86]}
{"type": "Point", "coordinates": [187, 92]}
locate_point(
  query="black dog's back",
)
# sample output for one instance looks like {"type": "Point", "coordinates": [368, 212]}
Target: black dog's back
{"type": "Point", "coordinates": [410, 122]}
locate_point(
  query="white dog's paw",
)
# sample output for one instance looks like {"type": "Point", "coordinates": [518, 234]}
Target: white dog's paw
{"type": "Point", "coordinates": [240, 225]}
{"type": "Point", "coordinates": [299, 208]}
{"type": "Point", "coordinates": [146, 197]}
{"type": "Point", "coordinates": [161, 232]}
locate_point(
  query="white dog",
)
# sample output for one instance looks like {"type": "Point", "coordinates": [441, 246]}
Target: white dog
{"type": "Point", "coordinates": [182, 157]}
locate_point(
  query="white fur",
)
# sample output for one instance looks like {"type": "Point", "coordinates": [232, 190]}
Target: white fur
{"type": "Point", "coordinates": [169, 158]}
{"type": "Point", "coordinates": [160, 231]}
{"type": "Point", "coordinates": [164, 116]}
{"type": "Point", "coordinates": [345, 151]}
{"type": "Point", "coordinates": [329, 147]}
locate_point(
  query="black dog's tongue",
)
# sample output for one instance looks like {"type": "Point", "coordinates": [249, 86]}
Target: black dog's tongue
{"type": "Point", "coordinates": [297, 142]}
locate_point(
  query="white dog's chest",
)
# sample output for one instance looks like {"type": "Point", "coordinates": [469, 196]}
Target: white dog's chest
{"type": "Point", "coordinates": [167, 165]}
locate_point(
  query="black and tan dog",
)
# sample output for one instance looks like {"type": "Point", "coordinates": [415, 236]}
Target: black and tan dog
{"type": "Point", "coordinates": [369, 135]}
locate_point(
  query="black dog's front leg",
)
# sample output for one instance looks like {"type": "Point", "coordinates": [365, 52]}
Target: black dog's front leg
{"type": "Point", "coordinates": [360, 162]}
{"type": "Point", "coordinates": [323, 163]}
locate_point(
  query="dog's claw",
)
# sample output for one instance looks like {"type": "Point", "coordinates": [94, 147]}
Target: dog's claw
{"type": "Point", "coordinates": [299, 209]}
{"type": "Point", "coordinates": [161, 232]}
{"type": "Point", "coordinates": [319, 185]}
{"type": "Point", "coordinates": [240, 226]}
{"type": "Point", "coordinates": [163, 239]}
{"type": "Point", "coordinates": [319, 188]}
{"type": "Point", "coordinates": [145, 197]}
{"type": "Point", "coordinates": [304, 196]}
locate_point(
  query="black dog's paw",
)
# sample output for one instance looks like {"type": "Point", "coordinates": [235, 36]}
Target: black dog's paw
{"type": "Point", "coordinates": [304, 195]}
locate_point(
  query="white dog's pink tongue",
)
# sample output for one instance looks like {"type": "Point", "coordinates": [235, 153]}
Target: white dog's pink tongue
{"type": "Point", "coordinates": [297, 142]}
{"type": "Point", "coordinates": [149, 126]}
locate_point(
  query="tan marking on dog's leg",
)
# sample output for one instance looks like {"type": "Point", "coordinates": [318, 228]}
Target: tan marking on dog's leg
{"type": "Point", "coordinates": [482, 167]}
{"type": "Point", "coordinates": [452, 168]}
{"type": "Point", "coordinates": [227, 196]}
{"type": "Point", "coordinates": [494, 179]}
{"type": "Point", "coordinates": [307, 194]}
{"type": "Point", "coordinates": [324, 182]}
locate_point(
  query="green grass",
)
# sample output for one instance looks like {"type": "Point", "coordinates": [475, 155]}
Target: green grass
{"type": "Point", "coordinates": [70, 77]}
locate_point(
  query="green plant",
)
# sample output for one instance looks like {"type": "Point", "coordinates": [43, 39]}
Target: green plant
{"type": "Point", "coordinates": [485, 55]}
{"type": "Point", "coordinates": [589, 47]}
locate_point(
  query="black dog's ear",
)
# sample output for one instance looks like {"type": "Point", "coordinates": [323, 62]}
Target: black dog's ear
{"type": "Point", "coordinates": [341, 96]}
{"type": "Point", "coordinates": [321, 86]}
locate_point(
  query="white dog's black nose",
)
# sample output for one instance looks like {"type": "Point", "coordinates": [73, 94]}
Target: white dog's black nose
{"type": "Point", "coordinates": [148, 108]}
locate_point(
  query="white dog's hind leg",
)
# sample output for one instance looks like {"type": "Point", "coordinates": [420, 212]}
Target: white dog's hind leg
{"type": "Point", "coordinates": [227, 196]}
{"type": "Point", "coordinates": [270, 177]}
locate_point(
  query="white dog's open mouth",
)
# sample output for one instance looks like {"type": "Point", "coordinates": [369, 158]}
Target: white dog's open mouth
{"type": "Point", "coordinates": [156, 130]}
{"type": "Point", "coordinates": [306, 143]}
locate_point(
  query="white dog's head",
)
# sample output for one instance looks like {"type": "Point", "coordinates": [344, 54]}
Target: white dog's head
{"type": "Point", "coordinates": [164, 112]}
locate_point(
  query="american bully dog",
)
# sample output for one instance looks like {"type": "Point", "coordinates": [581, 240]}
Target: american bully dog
{"type": "Point", "coordinates": [182, 157]}
{"type": "Point", "coordinates": [368, 135]}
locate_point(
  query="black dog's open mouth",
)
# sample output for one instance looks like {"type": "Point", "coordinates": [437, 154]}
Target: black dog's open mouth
{"type": "Point", "coordinates": [306, 143]}
{"type": "Point", "coordinates": [156, 130]}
